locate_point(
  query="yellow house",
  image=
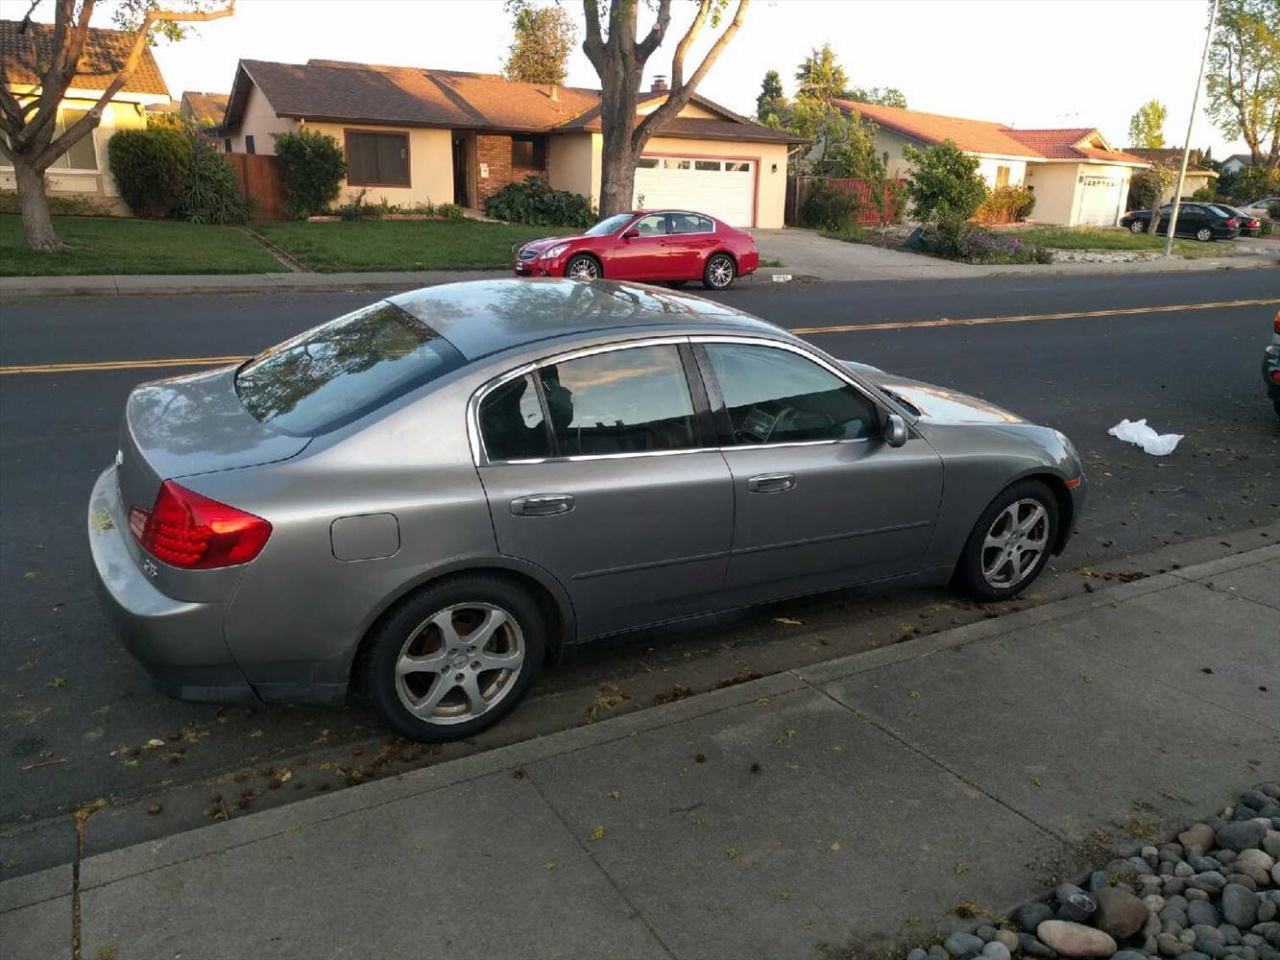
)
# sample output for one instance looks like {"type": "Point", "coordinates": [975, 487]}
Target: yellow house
{"type": "Point", "coordinates": [434, 136]}
{"type": "Point", "coordinates": [82, 170]}
{"type": "Point", "coordinates": [1076, 175]}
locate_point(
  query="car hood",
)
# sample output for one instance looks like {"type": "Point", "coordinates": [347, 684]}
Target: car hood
{"type": "Point", "coordinates": [933, 402]}
{"type": "Point", "coordinates": [547, 242]}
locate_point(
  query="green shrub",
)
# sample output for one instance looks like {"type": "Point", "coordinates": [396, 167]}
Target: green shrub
{"type": "Point", "coordinates": [151, 168]}
{"type": "Point", "coordinates": [451, 211]}
{"type": "Point", "coordinates": [1006, 205]}
{"type": "Point", "coordinates": [210, 194]}
{"type": "Point", "coordinates": [828, 209]}
{"type": "Point", "coordinates": [312, 167]}
{"type": "Point", "coordinates": [944, 183]}
{"type": "Point", "coordinates": [534, 202]}
{"type": "Point", "coordinates": [65, 205]}
{"type": "Point", "coordinates": [1143, 187]}
{"type": "Point", "coordinates": [1273, 211]}
{"type": "Point", "coordinates": [960, 240]}
{"type": "Point", "coordinates": [1204, 195]}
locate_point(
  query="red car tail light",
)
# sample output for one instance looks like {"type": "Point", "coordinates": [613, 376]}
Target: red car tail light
{"type": "Point", "coordinates": [1232, 222]}
{"type": "Point", "coordinates": [185, 529]}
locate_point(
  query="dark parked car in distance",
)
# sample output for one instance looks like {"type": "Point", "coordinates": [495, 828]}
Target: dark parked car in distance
{"type": "Point", "coordinates": [672, 246]}
{"type": "Point", "coordinates": [1271, 364]}
{"type": "Point", "coordinates": [1203, 221]}
{"type": "Point", "coordinates": [1250, 226]}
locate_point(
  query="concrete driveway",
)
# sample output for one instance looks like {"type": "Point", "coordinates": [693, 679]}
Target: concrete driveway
{"type": "Point", "coordinates": [805, 254]}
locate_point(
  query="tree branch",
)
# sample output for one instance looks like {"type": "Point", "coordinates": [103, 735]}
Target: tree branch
{"type": "Point", "coordinates": [682, 48]}
{"type": "Point", "coordinates": [680, 95]}
{"type": "Point", "coordinates": [645, 48]}
{"type": "Point", "coordinates": [593, 44]}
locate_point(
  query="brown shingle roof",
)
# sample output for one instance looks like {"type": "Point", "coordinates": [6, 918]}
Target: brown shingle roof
{"type": "Point", "coordinates": [1172, 157]}
{"type": "Point", "coordinates": [730, 127]}
{"type": "Point", "coordinates": [985, 136]}
{"type": "Point", "coordinates": [410, 96]}
{"type": "Point", "coordinates": [105, 53]}
{"type": "Point", "coordinates": [204, 109]}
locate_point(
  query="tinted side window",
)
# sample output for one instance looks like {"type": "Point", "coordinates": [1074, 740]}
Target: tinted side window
{"type": "Point", "coordinates": [690, 223]}
{"type": "Point", "coordinates": [511, 422]}
{"type": "Point", "coordinates": [654, 225]}
{"type": "Point", "coordinates": [623, 401]}
{"type": "Point", "coordinates": [775, 396]}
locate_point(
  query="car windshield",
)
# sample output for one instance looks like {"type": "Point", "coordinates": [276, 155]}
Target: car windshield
{"type": "Point", "coordinates": [609, 225]}
{"type": "Point", "coordinates": [327, 377]}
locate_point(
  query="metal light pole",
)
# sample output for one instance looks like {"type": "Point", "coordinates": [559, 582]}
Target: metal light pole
{"type": "Point", "coordinates": [1186, 147]}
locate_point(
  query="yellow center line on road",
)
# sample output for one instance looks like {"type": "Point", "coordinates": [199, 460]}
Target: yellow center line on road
{"type": "Point", "coordinates": [1027, 317]}
{"type": "Point", "coordinates": [802, 331]}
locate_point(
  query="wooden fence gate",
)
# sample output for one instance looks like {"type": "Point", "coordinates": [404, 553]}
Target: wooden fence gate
{"type": "Point", "coordinates": [799, 188]}
{"type": "Point", "coordinates": [259, 181]}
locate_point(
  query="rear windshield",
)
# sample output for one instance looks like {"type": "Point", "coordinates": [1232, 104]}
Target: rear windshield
{"type": "Point", "coordinates": [327, 377]}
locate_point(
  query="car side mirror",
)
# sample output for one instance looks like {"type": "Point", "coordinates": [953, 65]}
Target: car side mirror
{"type": "Point", "coordinates": [895, 431]}
{"type": "Point", "coordinates": [630, 234]}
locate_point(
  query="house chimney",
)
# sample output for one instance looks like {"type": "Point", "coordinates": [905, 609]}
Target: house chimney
{"type": "Point", "coordinates": [553, 92]}
{"type": "Point", "coordinates": [659, 83]}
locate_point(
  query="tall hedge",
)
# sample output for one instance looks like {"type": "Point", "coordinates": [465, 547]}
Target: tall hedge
{"type": "Point", "coordinates": [151, 168]}
{"type": "Point", "coordinates": [312, 166]}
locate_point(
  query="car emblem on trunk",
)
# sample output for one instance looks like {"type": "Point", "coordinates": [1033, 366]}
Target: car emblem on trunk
{"type": "Point", "coordinates": [149, 567]}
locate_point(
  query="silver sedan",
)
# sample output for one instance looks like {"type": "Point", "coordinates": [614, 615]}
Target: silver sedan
{"type": "Point", "coordinates": [431, 495]}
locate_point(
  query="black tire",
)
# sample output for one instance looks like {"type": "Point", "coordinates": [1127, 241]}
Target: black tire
{"type": "Point", "coordinates": [583, 266]}
{"type": "Point", "coordinates": [1137, 227]}
{"type": "Point", "coordinates": [1204, 234]}
{"type": "Point", "coordinates": [410, 629]}
{"type": "Point", "coordinates": [720, 272]}
{"type": "Point", "coordinates": [970, 576]}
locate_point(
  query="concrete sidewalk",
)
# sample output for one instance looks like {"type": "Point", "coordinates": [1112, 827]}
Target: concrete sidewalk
{"type": "Point", "coordinates": [849, 804]}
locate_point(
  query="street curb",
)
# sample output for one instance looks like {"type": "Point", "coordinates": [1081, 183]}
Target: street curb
{"type": "Point", "coordinates": [113, 866]}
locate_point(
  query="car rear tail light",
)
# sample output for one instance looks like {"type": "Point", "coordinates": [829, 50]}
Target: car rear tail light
{"type": "Point", "coordinates": [1231, 222]}
{"type": "Point", "coordinates": [185, 529]}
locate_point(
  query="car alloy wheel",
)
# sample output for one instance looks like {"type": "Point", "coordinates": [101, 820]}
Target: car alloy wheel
{"type": "Point", "coordinates": [1204, 234]}
{"type": "Point", "coordinates": [455, 657]}
{"type": "Point", "coordinates": [582, 267]}
{"type": "Point", "coordinates": [1137, 227]}
{"type": "Point", "coordinates": [1014, 543]}
{"type": "Point", "coordinates": [1010, 543]}
{"type": "Point", "coordinates": [719, 272]}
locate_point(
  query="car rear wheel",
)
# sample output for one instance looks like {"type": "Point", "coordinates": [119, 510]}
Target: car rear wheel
{"type": "Point", "coordinates": [455, 658]}
{"type": "Point", "coordinates": [1010, 543]}
{"type": "Point", "coordinates": [1137, 227]}
{"type": "Point", "coordinates": [719, 272]}
{"type": "Point", "coordinates": [582, 266]}
{"type": "Point", "coordinates": [1204, 234]}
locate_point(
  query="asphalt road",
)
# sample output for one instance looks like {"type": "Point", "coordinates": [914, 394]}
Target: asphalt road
{"type": "Point", "coordinates": [75, 712]}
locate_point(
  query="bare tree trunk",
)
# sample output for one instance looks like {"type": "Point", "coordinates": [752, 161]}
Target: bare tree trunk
{"type": "Point", "coordinates": [618, 171]}
{"type": "Point", "coordinates": [1156, 204]}
{"type": "Point", "coordinates": [37, 225]}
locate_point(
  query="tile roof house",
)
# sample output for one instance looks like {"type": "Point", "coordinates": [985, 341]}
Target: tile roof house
{"type": "Point", "coordinates": [1198, 175]}
{"type": "Point", "coordinates": [82, 170]}
{"type": "Point", "coordinates": [415, 135]}
{"type": "Point", "coordinates": [1076, 175]}
{"type": "Point", "coordinates": [204, 109]}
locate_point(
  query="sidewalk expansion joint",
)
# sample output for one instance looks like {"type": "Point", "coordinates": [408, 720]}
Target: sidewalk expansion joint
{"type": "Point", "coordinates": [636, 912]}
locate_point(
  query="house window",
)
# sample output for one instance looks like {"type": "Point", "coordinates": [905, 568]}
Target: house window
{"type": "Point", "coordinates": [731, 167]}
{"type": "Point", "coordinates": [1002, 176]}
{"type": "Point", "coordinates": [377, 159]}
{"type": "Point", "coordinates": [248, 144]}
{"type": "Point", "coordinates": [529, 153]}
{"type": "Point", "coordinates": [82, 155]}
{"type": "Point", "coordinates": [706, 165]}
{"type": "Point", "coordinates": [226, 144]}
{"type": "Point", "coordinates": [647, 163]}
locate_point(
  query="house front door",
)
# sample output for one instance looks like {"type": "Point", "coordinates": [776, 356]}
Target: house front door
{"type": "Point", "coordinates": [460, 178]}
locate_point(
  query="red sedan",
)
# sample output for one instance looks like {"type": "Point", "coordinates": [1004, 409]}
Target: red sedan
{"type": "Point", "coordinates": [668, 245]}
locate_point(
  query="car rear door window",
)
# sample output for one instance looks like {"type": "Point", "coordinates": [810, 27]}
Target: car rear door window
{"type": "Point", "coordinates": [512, 425]}
{"type": "Point", "coordinates": [690, 223]}
{"type": "Point", "coordinates": [632, 400]}
{"type": "Point", "coordinates": [771, 395]}
{"type": "Point", "coordinates": [340, 371]}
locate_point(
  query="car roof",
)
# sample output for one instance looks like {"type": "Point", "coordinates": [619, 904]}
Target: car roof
{"type": "Point", "coordinates": [484, 317]}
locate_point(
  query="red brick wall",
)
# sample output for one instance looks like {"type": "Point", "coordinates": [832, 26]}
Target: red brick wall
{"type": "Point", "coordinates": [495, 150]}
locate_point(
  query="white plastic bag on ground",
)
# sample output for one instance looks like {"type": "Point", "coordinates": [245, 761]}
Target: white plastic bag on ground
{"type": "Point", "coordinates": [1138, 432]}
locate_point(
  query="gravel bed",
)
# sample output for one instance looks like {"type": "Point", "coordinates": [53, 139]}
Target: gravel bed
{"type": "Point", "coordinates": [1214, 893]}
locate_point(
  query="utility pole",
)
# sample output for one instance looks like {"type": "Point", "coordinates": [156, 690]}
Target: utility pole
{"type": "Point", "coordinates": [1186, 147]}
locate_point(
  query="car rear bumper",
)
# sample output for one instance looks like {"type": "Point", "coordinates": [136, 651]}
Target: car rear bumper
{"type": "Point", "coordinates": [1271, 370]}
{"type": "Point", "coordinates": [179, 643]}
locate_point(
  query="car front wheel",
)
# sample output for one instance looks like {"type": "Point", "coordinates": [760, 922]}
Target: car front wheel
{"type": "Point", "coordinates": [455, 657]}
{"type": "Point", "coordinates": [719, 272]}
{"type": "Point", "coordinates": [582, 267]}
{"type": "Point", "coordinates": [1010, 544]}
{"type": "Point", "coordinates": [1137, 227]}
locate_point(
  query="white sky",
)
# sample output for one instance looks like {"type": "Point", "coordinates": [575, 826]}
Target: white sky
{"type": "Point", "coordinates": [1030, 63]}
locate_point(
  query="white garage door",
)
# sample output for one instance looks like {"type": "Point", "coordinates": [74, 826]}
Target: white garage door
{"type": "Point", "coordinates": [722, 188]}
{"type": "Point", "coordinates": [1099, 201]}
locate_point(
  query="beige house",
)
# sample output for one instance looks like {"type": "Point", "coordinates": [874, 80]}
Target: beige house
{"type": "Point", "coordinates": [1198, 176]}
{"type": "Point", "coordinates": [82, 170]}
{"type": "Point", "coordinates": [434, 136]}
{"type": "Point", "coordinates": [1077, 176]}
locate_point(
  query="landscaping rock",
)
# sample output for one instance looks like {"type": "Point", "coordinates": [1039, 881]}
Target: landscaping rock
{"type": "Point", "coordinates": [1197, 835]}
{"type": "Point", "coordinates": [1008, 938]}
{"type": "Point", "coordinates": [1170, 946]}
{"type": "Point", "coordinates": [918, 954]}
{"type": "Point", "coordinates": [961, 943]}
{"type": "Point", "coordinates": [996, 950]}
{"type": "Point", "coordinates": [1241, 834]}
{"type": "Point", "coordinates": [1129, 955]}
{"type": "Point", "coordinates": [1239, 905]}
{"type": "Point", "coordinates": [1077, 908]}
{"type": "Point", "coordinates": [1031, 915]}
{"type": "Point", "coordinates": [1119, 914]}
{"type": "Point", "coordinates": [1032, 947]}
{"type": "Point", "coordinates": [1075, 939]}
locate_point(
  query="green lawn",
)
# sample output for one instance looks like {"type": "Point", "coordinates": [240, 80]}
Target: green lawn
{"type": "Point", "coordinates": [118, 246]}
{"type": "Point", "coordinates": [366, 245]}
{"type": "Point", "coordinates": [1116, 238]}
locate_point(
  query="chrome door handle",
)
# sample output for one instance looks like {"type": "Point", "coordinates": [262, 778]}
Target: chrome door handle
{"type": "Point", "coordinates": [543, 505]}
{"type": "Point", "coordinates": [772, 483]}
